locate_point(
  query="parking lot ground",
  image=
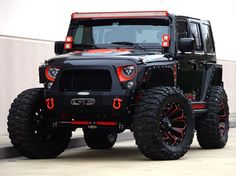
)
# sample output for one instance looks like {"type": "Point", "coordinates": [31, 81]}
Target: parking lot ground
{"type": "Point", "coordinates": [125, 159]}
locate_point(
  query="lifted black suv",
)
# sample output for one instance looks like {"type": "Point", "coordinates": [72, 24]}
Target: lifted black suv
{"type": "Point", "coordinates": [151, 72]}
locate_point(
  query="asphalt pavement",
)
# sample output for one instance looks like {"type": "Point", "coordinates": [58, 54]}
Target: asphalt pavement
{"type": "Point", "coordinates": [125, 159]}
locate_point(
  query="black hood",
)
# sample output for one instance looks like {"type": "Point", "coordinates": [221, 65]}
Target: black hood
{"type": "Point", "coordinates": [107, 54]}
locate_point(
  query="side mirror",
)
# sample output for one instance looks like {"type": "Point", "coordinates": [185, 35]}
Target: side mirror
{"type": "Point", "coordinates": [59, 47]}
{"type": "Point", "coordinates": [187, 45]}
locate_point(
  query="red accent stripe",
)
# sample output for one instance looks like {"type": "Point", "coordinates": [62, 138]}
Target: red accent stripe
{"type": "Point", "coordinates": [198, 106]}
{"type": "Point", "coordinates": [175, 72]}
{"type": "Point", "coordinates": [80, 122]}
{"type": "Point", "coordinates": [103, 123]}
{"type": "Point", "coordinates": [106, 123]}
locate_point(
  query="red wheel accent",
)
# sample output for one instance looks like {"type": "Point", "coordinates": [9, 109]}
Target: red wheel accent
{"type": "Point", "coordinates": [223, 118]}
{"type": "Point", "coordinates": [173, 124]}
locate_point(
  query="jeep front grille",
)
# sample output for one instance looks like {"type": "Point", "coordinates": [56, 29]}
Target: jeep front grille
{"type": "Point", "coordinates": [86, 80]}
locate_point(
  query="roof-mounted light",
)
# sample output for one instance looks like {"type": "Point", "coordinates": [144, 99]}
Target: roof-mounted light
{"type": "Point", "coordinates": [137, 14]}
{"type": "Point", "coordinates": [165, 40]}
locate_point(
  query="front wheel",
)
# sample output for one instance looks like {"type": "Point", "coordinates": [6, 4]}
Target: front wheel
{"type": "Point", "coordinates": [163, 124]}
{"type": "Point", "coordinates": [28, 130]}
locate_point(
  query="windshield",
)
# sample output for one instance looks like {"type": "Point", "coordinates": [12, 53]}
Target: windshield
{"type": "Point", "coordinates": [145, 32]}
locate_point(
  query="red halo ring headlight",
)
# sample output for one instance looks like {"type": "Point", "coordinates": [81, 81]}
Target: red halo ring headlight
{"type": "Point", "coordinates": [126, 73]}
{"type": "Point", "coordinates": [51, 73]}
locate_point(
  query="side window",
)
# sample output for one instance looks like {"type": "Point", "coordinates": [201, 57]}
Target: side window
{"type": "Point", "coordinates": [181, 30]}
{"type": "Point", "coordinates": [208, 38]}
{"type": "Point", "coordinates": [196, 35]}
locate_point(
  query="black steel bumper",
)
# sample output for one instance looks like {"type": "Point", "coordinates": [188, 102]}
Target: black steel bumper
{"type": "Point", "coordinates": [95, 102]}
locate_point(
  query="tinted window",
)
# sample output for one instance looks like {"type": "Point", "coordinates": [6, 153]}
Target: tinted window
{"type": "Point", "coordinates": [208, 38]}
{"type": "Point", "coordinates": [182, 30]}
{"type": "Point", "coordinates": [108, 31]}
{"type": "Point", "coordinates": [196, 35]}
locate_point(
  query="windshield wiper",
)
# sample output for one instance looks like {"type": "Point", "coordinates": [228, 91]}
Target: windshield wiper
{"type": "Point", "coordinates": [135, 45]}
{"type": "Point", "coordinates": [86, 45]}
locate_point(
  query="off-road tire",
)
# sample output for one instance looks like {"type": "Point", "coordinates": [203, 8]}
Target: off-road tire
{"type": "Point", "coordinates": [147, 127]}
{"type": "Point", "coordinates": [23, 131]}
{"type": "Point", "coordinates": [99, 138]}
{"type": "Point", "coordinates": [208, 126]}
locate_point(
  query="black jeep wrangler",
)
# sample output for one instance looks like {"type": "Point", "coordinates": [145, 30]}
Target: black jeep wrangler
{"type": "Point", "coordinates": [153, 73]}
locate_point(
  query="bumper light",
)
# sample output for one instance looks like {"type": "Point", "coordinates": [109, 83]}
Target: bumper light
{"type": "Point", "coordinates": [130, 84]}
{"type": "Point", "coordinates": [49, 86]}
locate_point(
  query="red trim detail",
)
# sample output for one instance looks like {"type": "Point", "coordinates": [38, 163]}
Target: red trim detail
{"type": "Point", "coordinates": [103, 50]}
{"type": "Point", "coordinates": [77, 15]}
{"type": "Point", "coordinates": [47, 75]}
{"type": "Point", "coordinates": [198, 106]}
{"type": "Point", "coordinates": [190, 97]}
{"type": "Point", "coordinates": [80, 123]}
{"type": "Point", "coordinates": [104, 123]}
{"type": "Point", "coordinates": [122, 77]}
{"type": "Point", "coordinates": [175, 72]}
{"type": "Point", "coordinates": [50, 103]}
{"type": "Point", "coordinates": [107, 50]}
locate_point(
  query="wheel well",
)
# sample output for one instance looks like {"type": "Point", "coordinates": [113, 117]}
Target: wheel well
{"type": "Point", "coordinates": [211, 77]}
{"type": "Point", "coordinates": [160, 77]}
{"type": "Point", "coordinates": [217, 77]}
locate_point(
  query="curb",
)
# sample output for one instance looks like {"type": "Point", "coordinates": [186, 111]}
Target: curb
{"type": "Point", "coordinates": [232, 123]}
{"type": "Point", "coordinates": [10, 152]}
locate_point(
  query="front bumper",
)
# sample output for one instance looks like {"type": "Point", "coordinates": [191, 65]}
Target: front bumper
{"type": "Point", "coordinates": [103, 102]}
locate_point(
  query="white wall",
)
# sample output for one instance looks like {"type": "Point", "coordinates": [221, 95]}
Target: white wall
{"type": "Point", "coordinates": [19, 61]}
{"type": "Point", "coordinates": [49, 19]}
{"type": "Point", "coordinates": [229, 78]}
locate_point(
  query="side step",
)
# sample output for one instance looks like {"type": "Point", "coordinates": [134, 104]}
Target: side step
{"type": "Point", "coordinates": [199, 107]}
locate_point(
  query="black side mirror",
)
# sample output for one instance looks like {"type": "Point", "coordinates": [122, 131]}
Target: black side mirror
{"type": "Point", "coordinates": [59, 47]}
{"type": "Point", "coordinates": [187, 45]}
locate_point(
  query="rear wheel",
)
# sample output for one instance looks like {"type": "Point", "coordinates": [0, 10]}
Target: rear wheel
{"type": "Point", "coordinates": [212, 129]}
{"type": "Point", "coordinates": [99, 138]}
{"type": "Point", "coordinates": [163, 124]}
{"type": "Point", "coordinates": [28, 128]}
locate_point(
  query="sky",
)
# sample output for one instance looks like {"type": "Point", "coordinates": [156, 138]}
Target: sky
{"type": "Point", "coordinates": [49, 19]}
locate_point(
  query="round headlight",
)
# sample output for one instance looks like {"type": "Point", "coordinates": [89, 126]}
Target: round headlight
{"type": "Point", "coordinates": [51, 73]}
{"type": "Point", "coordinates": [128, 71]}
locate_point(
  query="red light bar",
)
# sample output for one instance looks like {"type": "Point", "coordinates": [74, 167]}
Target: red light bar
{"type": "Point", "coordinates": [135, 14]}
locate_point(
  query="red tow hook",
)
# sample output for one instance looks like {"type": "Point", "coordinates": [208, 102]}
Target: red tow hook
{"type": "Point", "coordinates": [50, 103]}
{"type": "Point", "coordinates": [117, 103]}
